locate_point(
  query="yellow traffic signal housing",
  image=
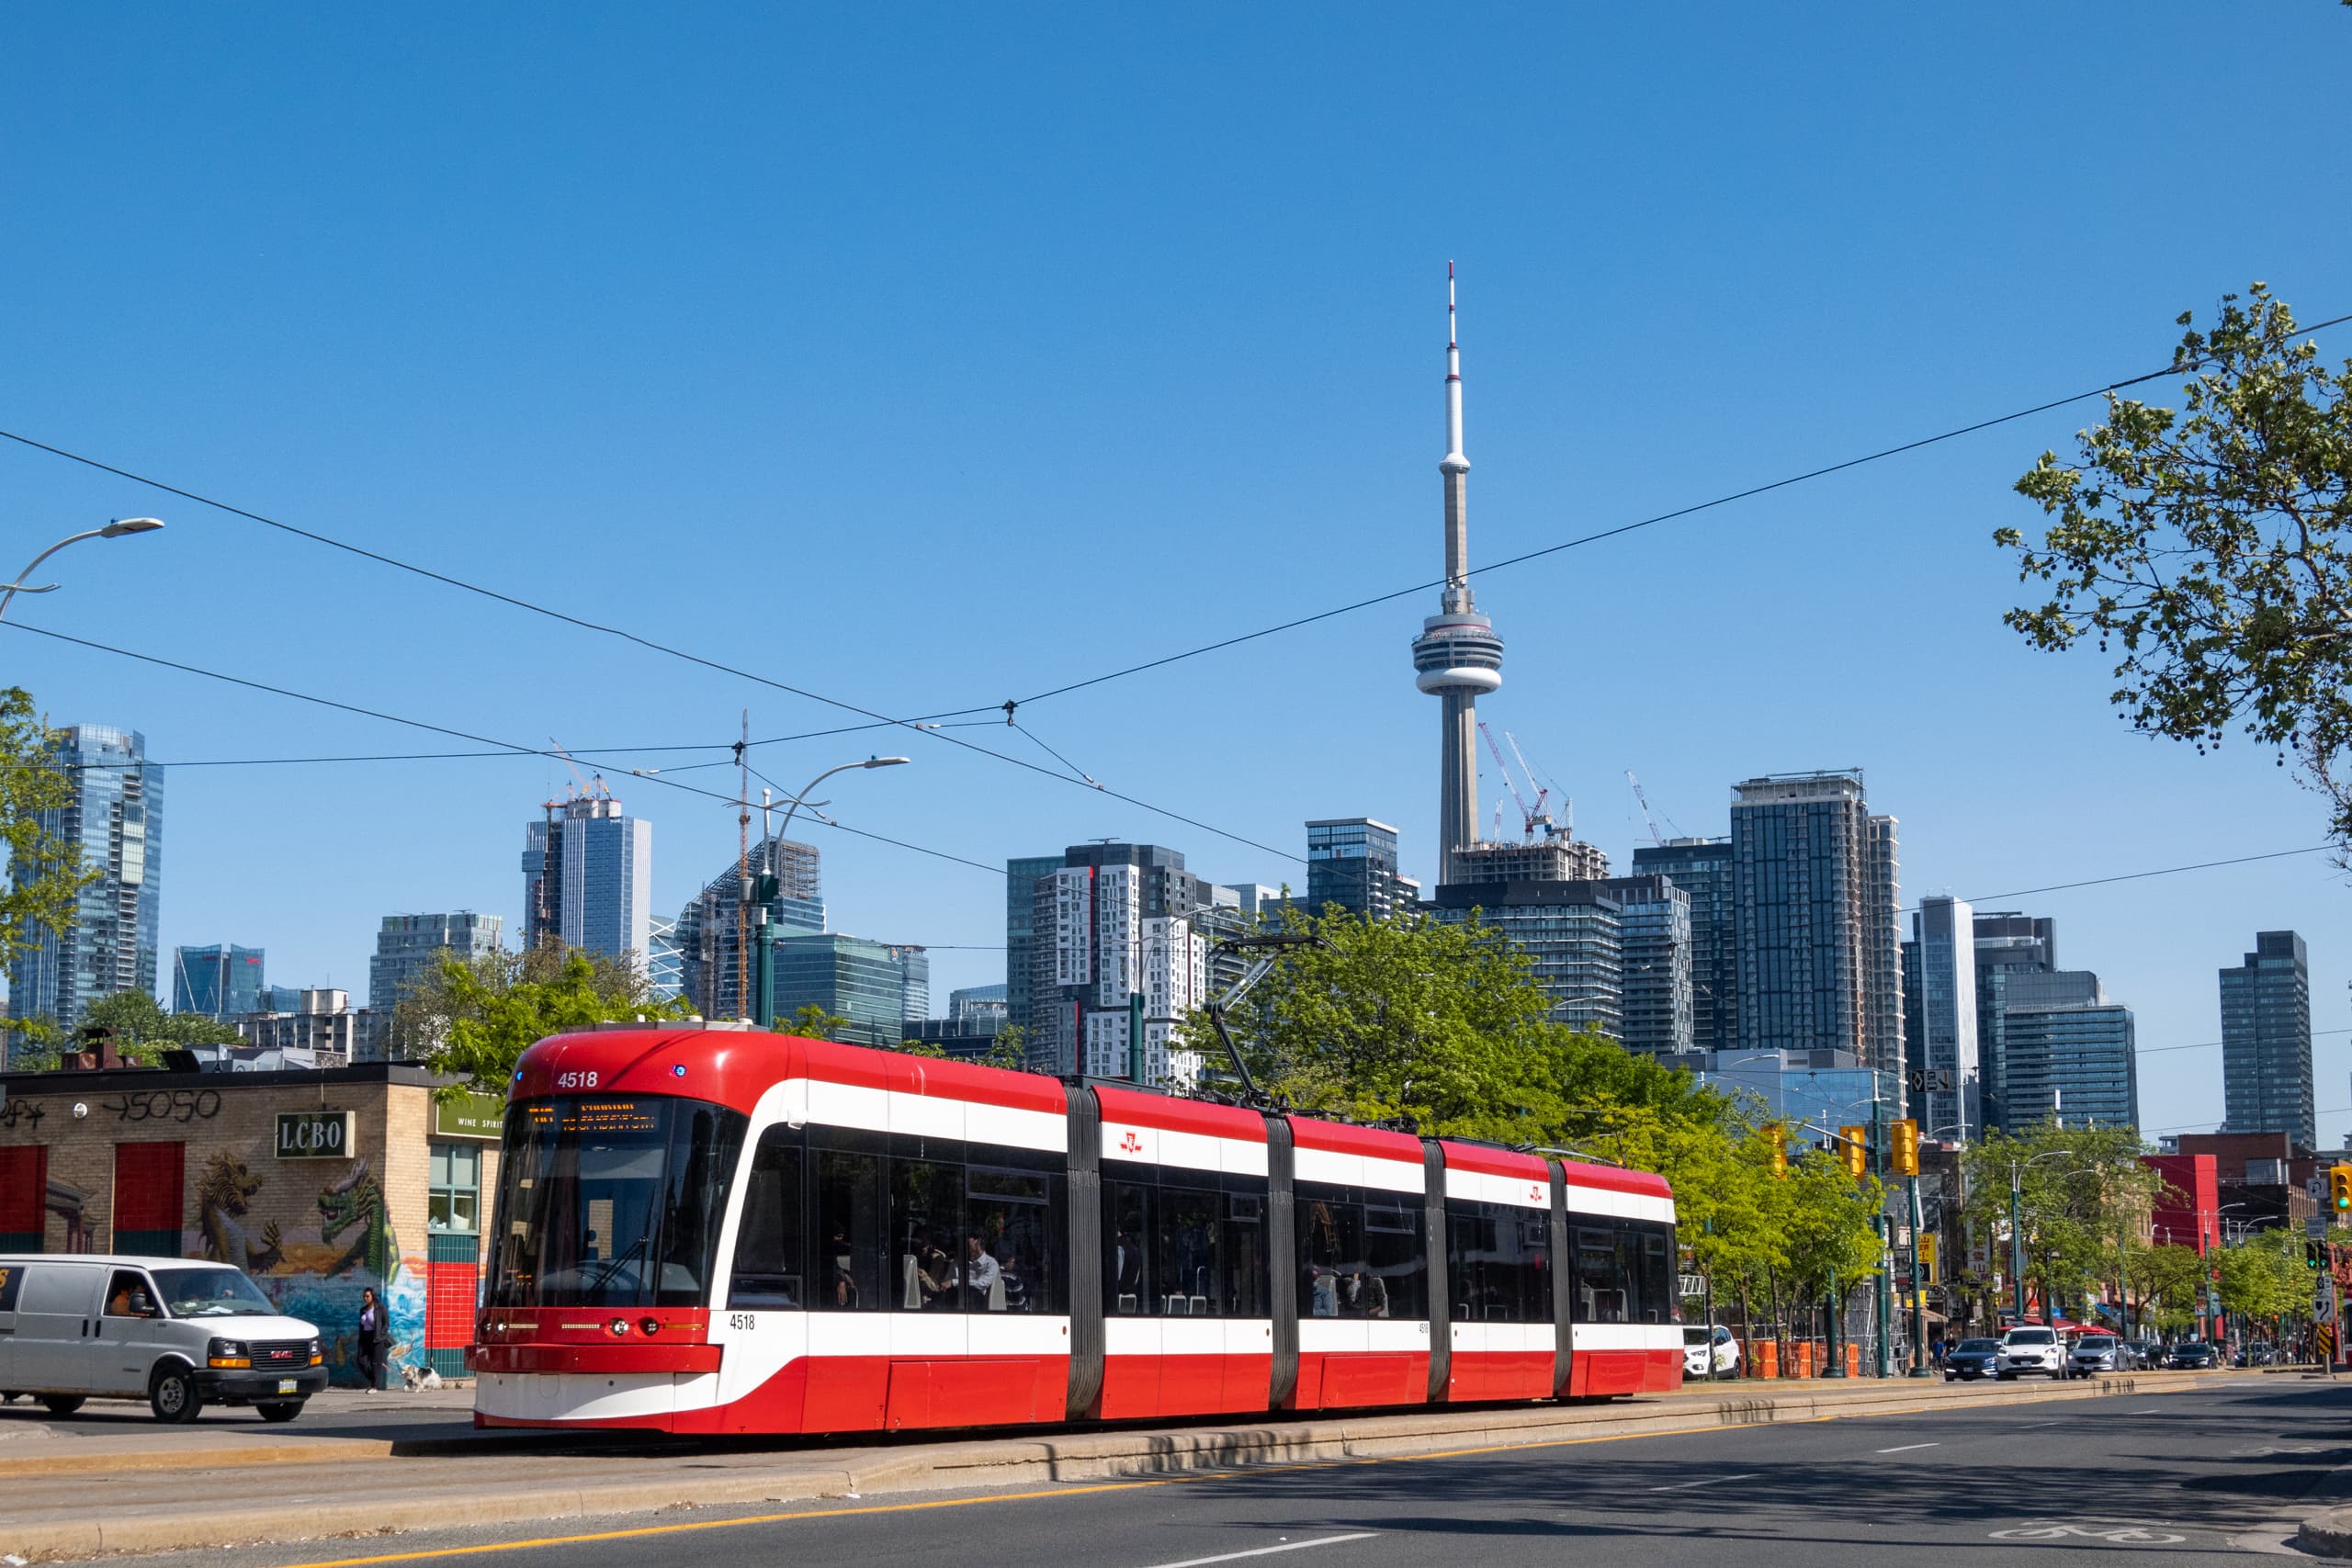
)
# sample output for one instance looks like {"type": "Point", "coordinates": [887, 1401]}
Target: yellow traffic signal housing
{"type": "Point", "coordinates": [1903, 1148]}
{"type": "Point", "coordinates": [2340, 1191]}
{"type": "Point", "coordinates": [1854, 1148]}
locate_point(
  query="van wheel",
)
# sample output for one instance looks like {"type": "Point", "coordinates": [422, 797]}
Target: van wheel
{"type": "Point", "coordinates": [174, 1396]}
{"type": "Point", "coordinates": [280, 1409]}
{"type": "Point", "coordinates": [61, 1403]}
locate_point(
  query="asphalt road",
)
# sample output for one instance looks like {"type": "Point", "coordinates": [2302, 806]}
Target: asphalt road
{"type": "Point", "coordinates": [2222, 1471]}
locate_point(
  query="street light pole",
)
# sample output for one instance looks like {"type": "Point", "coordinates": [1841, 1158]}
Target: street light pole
{"type": "Point", "coordinates": [2016, 1224]}
{"type": "Point", "coordinates": [119, 528]}
{"type": "Point", "coordinates": [766, 955]}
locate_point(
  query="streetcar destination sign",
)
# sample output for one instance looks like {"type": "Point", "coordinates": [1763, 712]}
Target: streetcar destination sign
{"type": "Point", "coordinates": [314, 1134]}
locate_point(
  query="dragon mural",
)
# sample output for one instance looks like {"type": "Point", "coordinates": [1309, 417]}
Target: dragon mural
{"type": "Point", "coordinates": [359, 1202]}
{"type": "Point", "coordinates": [221, 1201]}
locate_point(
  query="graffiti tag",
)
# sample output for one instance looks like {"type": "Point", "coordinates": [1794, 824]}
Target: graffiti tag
{"type": "Point", "coordinates": [28, 1111]}
{"type": "Point", "coordinates": [166, 1105]}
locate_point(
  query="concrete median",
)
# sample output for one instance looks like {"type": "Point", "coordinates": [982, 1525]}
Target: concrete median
{"type": "Point", "coordinates": [367, 1487]}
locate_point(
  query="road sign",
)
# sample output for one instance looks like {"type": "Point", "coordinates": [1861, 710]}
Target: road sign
{"type": "Point", "coordinates": [2315, 1226]}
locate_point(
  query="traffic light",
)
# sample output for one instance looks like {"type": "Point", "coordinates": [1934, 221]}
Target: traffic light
{"type": "Point", "coordinates": [1904, 1147]}
{"type": "Point", "coordinates": [2339, 1189]}
{"type": "Point", "coordinates": [2314, 1255]}
{"type": "Point", "coordinates": [1779, 1145]}
{"type": "Point", "coordinates": [1854, 1148]}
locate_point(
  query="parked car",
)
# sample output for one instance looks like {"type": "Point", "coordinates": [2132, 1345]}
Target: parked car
{"type": "Point", "coordinates": [1971, 1360]}
{"type": "Point", "coordinates": [2030, 1350]}
{"type": "Point", "coordinates": [1696, 1338]}
{"type": "Point", "coordinates": [2192, 1355]}
{"type": "Point", "coordinates": [2099, 1353]}
{"type": "Point", "coordinates": [178, 1334]}
{"type": "Point", "coordinates": [2145, 1353]}
{"type": "Point", "coordinates": [2264, 1355]}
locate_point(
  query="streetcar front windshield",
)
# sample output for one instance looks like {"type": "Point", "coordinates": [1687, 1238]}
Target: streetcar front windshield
{"type": "Point", "coordinates": [612, 1201]}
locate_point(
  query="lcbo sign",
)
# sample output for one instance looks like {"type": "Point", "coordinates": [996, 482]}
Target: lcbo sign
{"type": "Point", "coordinates": [314, 1134]}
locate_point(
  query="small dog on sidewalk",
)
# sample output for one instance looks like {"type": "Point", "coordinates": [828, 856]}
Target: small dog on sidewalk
{"type": "Point", "coordinates": [414, 1381]}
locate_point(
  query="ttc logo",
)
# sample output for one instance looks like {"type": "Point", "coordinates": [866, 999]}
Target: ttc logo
{"type": "Point", "coordinates": [1130, 1144]}
{"type": "Point", "coordinates": [1535, 1193]}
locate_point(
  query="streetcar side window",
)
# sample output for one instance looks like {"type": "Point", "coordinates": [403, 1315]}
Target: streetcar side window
{"type": "Point", "coordinates": [1360, 1254]}
{"type": "Point", "coordinates": [1014, 1239]}
{"type": "Point", "coordinates": [849, 1222]}
{"type": "Point", "coordinates": [1498, 1262]}
{"type": "Point", "coordinates": [769, 1245]}
{"type": "Point", "coordinates": [1180, 1242]}
{"type": "Point", "coordinates": [926, 1235]}
{"type": "Point", "coordinates": [1625, 1270]}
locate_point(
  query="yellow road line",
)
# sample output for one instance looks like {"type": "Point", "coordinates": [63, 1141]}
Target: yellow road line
{"type": "Point", "coordinates": [641, 1531]}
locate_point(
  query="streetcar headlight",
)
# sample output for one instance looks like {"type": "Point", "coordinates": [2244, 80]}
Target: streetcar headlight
{"type": "Point", "coordinates": [619, 1325]}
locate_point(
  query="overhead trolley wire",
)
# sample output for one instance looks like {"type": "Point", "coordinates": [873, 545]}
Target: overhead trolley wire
{"type": "Point", "coordinates": [1622, 528]}
{"type": "Point", "coordinates": [513, 748]}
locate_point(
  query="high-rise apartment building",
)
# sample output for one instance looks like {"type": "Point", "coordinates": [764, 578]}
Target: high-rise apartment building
{"type": "Point", "coordinates": [322, 1028]}
{"type": "Point", "coordinates": [407, 947]}
{"type": "Point", "coordinates": [1572, 931]}
{"type": "Point", "coordinates": [1702, 869]}
{"type": "Point", "coordinates": [1945, 1092]}
{"type": "Point", "coordinates": [1555, 856]}
{"type": "Point", "coordinates": [1351, 861]}
{"type": "Point", "coordinates": [2007, 943]}
{"type": "Point", "coordinates": [1654, 937]}
{"type": "Point", "coordinates": [1815, 896]}
{"type": "Point", "coordinates": [1021, 877]}
{"type": "Point", "coordinates": [1118, 959]}
{"type": "Point", "coordinates": [2266, 1041]}
{"type": "Point", "coordinates": [2070, 1053]}
{"type": "Point", "coordinates": [223, 983]}
{"type": "Point", "coordinates": [114, 818]}
{"type": "Point", "coordinates": [588, 877]}
{"type": "Point", "coordinates": [714, 931]}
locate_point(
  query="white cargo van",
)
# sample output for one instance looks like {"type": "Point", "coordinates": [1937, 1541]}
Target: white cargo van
{"type": "Point", "coordinates": [179, 1335]}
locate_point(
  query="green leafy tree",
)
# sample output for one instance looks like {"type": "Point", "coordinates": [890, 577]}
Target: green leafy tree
{"type": "Point", "coordinates": [40, 872]}
{"type": "Point", "coordinates": [2168, 1284]}
{"type": "Point", "coordinates": [143, 1030]}
{"type": "Point", "coordinates": [2085, 1200]}
{"type": "Point", "coordinates": [930, 1048]}
{"type": "Point", "coordinates": [1009, 1049]}
{"type": "Point", "coordinates": [2210, 548]}
{"type": "Point", "coordinates": [813, 1023]}
{"type": "Point", "coordinates": [475, 1018]}
{"type": "Point", "coordinates": [2263, 1276]}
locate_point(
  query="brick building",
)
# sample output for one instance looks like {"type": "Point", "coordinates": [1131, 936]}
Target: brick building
{"type": "Point", "coordinates": [316, 1183]}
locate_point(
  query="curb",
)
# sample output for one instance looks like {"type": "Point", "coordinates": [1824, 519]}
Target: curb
{"type": "Point", "coordinates": [1090, 1455]}
{"type": "Point", "coordinates": [2326, 1535]}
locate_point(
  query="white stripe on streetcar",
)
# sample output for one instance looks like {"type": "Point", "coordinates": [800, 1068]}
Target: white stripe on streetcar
{"type": "Point", "coordinates": [1268, 1550]}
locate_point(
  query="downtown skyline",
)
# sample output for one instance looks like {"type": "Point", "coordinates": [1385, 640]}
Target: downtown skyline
{"type": "Point", "coordinates": [1849, 622]}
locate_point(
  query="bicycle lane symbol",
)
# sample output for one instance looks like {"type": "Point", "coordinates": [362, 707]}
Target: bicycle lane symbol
{"type": "Point", "coordinates": [2112, 1534]}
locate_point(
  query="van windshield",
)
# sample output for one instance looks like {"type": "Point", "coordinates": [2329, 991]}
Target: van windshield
{"type": "Point", "coordinates": [211, 1292]}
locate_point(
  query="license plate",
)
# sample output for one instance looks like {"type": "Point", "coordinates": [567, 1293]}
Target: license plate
{"type": "Point", "coordinates": [286, 1385]}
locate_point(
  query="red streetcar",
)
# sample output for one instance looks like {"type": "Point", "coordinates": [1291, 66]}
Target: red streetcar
{"type": "Point", "coordinates": [711, 1230]}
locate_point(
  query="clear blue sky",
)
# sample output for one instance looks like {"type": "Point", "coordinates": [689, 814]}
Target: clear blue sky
{"type": "Point", "coordinates": [936, 355]}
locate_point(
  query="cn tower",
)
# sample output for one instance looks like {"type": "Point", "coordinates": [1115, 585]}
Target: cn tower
{"type": "Point", "coordinates": [1457, 655]}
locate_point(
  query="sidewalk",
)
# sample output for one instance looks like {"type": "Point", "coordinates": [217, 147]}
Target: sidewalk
{"type": "Point", "coordinates": [140, 1496]}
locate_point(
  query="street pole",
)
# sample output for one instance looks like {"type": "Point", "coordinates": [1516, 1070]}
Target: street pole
{"type": "Point", "coordinates": [119, 528]}
{"type": "Point", "coordinates": [1885, 1249]}
{"type": "Point", "coordinates": [1919, 1367]}
{"type": "Point", "coordinates": [2017, 1236]}
{"type": "Point", "coordinates": [764, 992]}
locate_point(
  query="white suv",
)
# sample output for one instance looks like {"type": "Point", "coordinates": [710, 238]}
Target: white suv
{"type": "Point", "coordinates": [2030, 1350]}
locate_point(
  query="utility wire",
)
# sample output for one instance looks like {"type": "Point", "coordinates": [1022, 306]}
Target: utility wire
{"type": "Point", "coordinates": [513, 747]}
{"type": "Point", "coordinates": [2137, 876]}
{"type": "Point", "coordinates": [922, 725]}
{"type": "Point", "coordinates": [1623, 528]}
{"type": "Point", "coordinates": [2211, 1044]}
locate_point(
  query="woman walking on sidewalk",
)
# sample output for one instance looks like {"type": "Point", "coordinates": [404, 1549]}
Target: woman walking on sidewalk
{"type": "Point", "coordinates": [368, 1349]}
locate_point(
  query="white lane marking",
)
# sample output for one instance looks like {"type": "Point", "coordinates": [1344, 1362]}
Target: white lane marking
{"type": "Point", "coordinates": [1269, 1551]}
{"type": "Point", "coordinates": [1908, 1447]}
{"type": "Point", "coordinates": [2127, 1535]}
{"type": "Point", "coordinates": [2032, 1425]}
{"type": "Point", "coordinates": [1709, 1480]}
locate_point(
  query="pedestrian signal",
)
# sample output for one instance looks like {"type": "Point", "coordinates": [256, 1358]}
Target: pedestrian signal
{"type": "Point", "coordinates": [1904, 1147]}
{"type": "Point", "coordinates": [2339, 1187]}
{"type": "Point", "coordinates": [1854, 1148]}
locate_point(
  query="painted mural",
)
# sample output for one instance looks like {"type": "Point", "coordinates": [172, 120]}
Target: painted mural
{"type": "Point", "coordinates": [316, 1272]}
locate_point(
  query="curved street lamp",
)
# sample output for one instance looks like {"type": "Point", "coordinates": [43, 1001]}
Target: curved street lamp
{"type": "Point", "coordinates": [765, 1013]}
{"type": "Point", "coordinates": [117, 529]}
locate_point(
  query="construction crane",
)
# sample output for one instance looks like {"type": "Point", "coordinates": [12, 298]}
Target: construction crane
{"type": "Point", "coordinates": [1544, 793]}
{"type": "Point", "coordinates": [1648, 816]}
{"type": "Point", "coordinates": [1528, 816]}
